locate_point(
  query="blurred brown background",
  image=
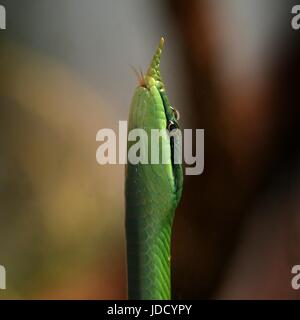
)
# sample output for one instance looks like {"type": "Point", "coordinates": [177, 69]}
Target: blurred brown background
{"type": "Point", "coordinates": [230, 67]}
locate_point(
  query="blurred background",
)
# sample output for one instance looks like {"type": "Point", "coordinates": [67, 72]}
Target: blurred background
{"type": "Point", "coordinates": [231, 67]}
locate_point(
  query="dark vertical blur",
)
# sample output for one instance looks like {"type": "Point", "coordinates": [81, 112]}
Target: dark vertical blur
{"type": "Point", "coordinates": [251, 153]}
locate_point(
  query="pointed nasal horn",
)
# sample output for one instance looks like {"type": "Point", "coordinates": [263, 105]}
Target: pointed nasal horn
{"type": "Point", "coordinates": [154, 68]}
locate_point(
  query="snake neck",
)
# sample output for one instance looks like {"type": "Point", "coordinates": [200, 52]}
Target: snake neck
{"type": "Point", "coordinates": [148, 255]}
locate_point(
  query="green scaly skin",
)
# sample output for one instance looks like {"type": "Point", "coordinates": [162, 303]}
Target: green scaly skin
{"type": "Point", "coordinates": [152, 194]}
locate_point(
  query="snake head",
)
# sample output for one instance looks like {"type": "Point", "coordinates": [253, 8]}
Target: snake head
{"type": "Point", "coordinates": [151, 109]}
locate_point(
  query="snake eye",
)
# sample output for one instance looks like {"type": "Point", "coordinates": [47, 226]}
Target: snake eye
{"type": "Point", "coordinates": [171, 126]}
{"type": "Point", "coordinates": [176, 113]}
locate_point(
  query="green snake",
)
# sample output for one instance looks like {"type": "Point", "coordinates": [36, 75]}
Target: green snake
{"type": "Point", "coordinates": [152, 192]}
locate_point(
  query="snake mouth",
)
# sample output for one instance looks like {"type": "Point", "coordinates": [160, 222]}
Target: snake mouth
{"type": "Point", "coordinates": [172, 127]}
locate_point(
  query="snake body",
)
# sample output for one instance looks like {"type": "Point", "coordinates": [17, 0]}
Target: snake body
{"type": "Point", "coordinates": [152, 192]}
